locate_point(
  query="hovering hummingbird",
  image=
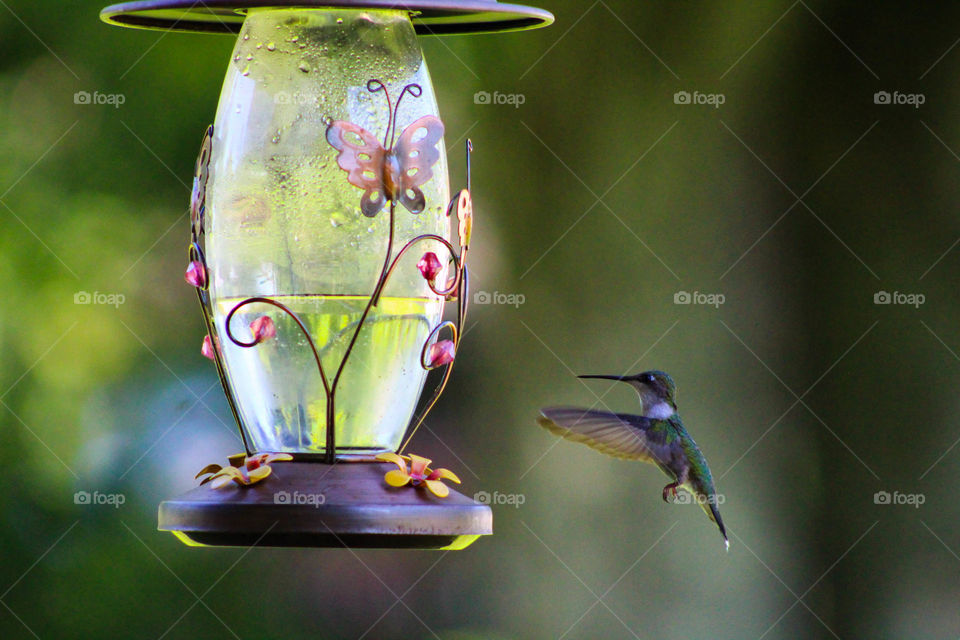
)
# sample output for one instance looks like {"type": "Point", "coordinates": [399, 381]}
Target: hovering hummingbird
{"type": "Point", "coordinates": [656, 436]}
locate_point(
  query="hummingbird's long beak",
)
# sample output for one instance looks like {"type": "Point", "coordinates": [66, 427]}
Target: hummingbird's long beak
{"type": "Point", "coordinates": [605, 377]}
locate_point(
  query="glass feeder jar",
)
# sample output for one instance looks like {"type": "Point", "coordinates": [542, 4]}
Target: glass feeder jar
{"type": "Point", "coordinates": [283, 222]}
{"type": "Point", "coordinates": [321, 253]}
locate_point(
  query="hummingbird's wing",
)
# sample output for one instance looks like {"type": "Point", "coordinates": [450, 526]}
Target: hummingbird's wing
{"type": "Point", "coordinates": [621, 435]}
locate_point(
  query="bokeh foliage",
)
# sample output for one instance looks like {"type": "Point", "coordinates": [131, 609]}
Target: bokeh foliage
{"type": "Point", "coordinates": [597, 199]}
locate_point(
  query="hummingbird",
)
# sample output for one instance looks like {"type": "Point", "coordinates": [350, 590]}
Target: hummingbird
{"type": "Point", "coordinates": [656, 436]}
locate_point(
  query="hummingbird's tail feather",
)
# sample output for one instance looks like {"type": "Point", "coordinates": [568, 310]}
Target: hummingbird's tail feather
{"type": "Point", "coordinates": [621, 435]}
{"type": "Point", "coordinates": [714, 515]}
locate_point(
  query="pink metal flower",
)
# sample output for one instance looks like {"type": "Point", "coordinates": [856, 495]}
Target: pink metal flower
{"type": "Point", "coordinates": [429, 266]}
{"type": "Point", "coordinates": [419, 474]}
{"type": "Point", "coordinates": [242, 471]}
{"type": "Point", "coordinates": [441, 352]}
{"type": "Point", "coordinates": [207, 349]}
{"type": "Point", "coordinates": [263, 328]}
{"type": "Point", "coordinates": [196, 274]}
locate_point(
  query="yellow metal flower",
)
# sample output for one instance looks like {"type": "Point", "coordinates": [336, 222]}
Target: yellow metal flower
{"type": "Point", "coordinates": [243, 471]}
{"type": "Point", "coordinates": [418, 474]}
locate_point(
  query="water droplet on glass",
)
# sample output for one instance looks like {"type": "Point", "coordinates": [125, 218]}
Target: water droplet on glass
{"type": "Point", "coordinates": [246, 36]}
{"type": "Point", "coordinates": [246, 70]}
{"type": "Point", "coordinates": [304, 66]}
{"type": "Point", "coordinates": [339, 20]}
{"type": "Point", "coordinates": [249, 56]}
{"type": "Point", "coordinates": [271, 46]}
{"type": "Point", "coordinates": [337, 218]}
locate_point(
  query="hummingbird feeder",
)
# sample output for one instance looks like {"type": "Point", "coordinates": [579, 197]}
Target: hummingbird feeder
{"type": "Point", "coordinates": [322, 256]}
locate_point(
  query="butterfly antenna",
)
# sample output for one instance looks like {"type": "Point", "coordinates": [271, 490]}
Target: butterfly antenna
{"type": "Point", "coordinates": [373, 86]}
{"type": "Point", "coordinates": [469, 151]}
{"type": "Point", "coordinates": [413, 89]}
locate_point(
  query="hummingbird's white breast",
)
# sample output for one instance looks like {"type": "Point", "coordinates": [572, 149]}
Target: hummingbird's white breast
{"type": "Point", "coordinates": [658, 411]}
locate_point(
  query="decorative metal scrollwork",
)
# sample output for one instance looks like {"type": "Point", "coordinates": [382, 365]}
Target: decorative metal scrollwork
{"type": "Point", "coordinates": [388, 173]}
{"type": "Point", "coordinates": [198, 264]}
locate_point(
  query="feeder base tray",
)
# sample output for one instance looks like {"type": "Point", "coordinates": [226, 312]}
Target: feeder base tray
{"type": "Point", "coordinates": [311, 504]}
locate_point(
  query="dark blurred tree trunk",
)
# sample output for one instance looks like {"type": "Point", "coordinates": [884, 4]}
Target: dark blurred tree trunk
{"type": "Point", "coordinates": [880, 396]}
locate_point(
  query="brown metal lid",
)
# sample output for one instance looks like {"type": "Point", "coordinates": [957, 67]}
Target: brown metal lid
{"type": "Point", "coordinates": [430, 17]}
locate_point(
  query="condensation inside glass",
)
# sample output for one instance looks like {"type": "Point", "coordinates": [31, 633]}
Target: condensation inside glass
{"type": "Point", "coordinates": [283, 222]}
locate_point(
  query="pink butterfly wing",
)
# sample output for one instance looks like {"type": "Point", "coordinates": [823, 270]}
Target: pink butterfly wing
{"type": "Point", "coordinates": [362, 157]}
{"type": "Point", "coordinates": [416, 159]}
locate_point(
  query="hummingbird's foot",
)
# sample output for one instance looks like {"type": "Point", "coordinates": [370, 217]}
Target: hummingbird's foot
{"type": "Point", "coordinates": [670, 488]}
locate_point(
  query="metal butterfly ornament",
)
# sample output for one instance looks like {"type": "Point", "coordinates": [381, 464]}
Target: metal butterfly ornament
{"type": "Point", "coordinates": [201, 175]}
{"type": "Point", "coordinates": [392, 171]}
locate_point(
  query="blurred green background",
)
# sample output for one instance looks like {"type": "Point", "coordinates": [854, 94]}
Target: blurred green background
{"type": "Point", "coordinates": [598, 200]}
